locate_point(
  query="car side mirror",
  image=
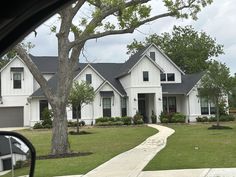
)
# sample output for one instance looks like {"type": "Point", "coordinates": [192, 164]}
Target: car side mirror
{"type": "Point", "coordinates": [17, 155]}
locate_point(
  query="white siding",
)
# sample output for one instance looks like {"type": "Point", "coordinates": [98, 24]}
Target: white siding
{"type": "Point", "coordinates": [165, 64]}
{"type": "Point", "coordinates": [194, 105]}
{"type": "Point", "coordinates": [96, 79]}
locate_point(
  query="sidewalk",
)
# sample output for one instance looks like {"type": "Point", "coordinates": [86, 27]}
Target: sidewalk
{"type": "Point", "coordinates": [131, 163]}
{"type": "Point", "coordinates": [202, 172]}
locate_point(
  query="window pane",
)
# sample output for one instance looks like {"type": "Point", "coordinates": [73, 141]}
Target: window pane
{"type": "Point", "coordinates": [42, 105]}
{"type": "Point", "coordinates": [106, 107]}
{"type": "Point", "coordinates": [145, 76]}
{"type": "Point", "coordinates": [89, 78]}
{"type": "Point", "coordinates": [212, 108]}
{"type": "Point", "coordinates": [123, 107]}
{"type": "Point", "coordinates": [164, 101]}
{"type": "Point", "coordinates": [163, 77]}
{"type": "Point", "coordinates": [172, 104]}
{"type": "Point", "coordinates": [16, 80]}
{"type": "Point", "coordinates": [152, 55]}
{"type": "Point", "coordinates": [171, 77]}
{"type": "Point", "coordinates": [74, 116]}
{"type": "Point", "coordinates": [204, 106]}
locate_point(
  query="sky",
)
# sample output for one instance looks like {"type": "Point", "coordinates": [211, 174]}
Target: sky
{"type": "Point", "coordinates": [218, 20]}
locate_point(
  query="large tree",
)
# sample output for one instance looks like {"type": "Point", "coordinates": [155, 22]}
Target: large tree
{"type": "Point", "coordinates": [191, 50]}
{"type": "Point", "coordinates": [12, 53]}
{"type": "Point", "coordinates": [81, 94]}
{"type": "Point", "coordinates": [97, 18]}
{"type": "Point", "coordinates": [215, 85]}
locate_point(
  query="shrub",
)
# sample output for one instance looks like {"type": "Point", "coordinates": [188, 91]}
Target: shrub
{"type": "Point", "coordinates": [164, 120]}
{"type": "Point", "coordinates": [178, 118]}
{"type": "Point", "coordinates": [117, 119]}
{"type": "Point", "coordinates": [126, 120]}
{"type": "Point", "coordinates": [154, 118]}
{"type": "Point", "coordinates": [202, 119]}
{"type": "Point", "coordinates": [212, 119]}
{"type": "Point", "coordinates": [47, 126]}
{"type": "Point", "coordinates": [71, 124]}
{"type": "Point", "coordinates": [225, 118]}
{"type": "Point", "coordinates": [81, 123]}
{"type": "Point", "coordinates": [37, 125]}
{"type": "Point", "coordinates": [109, 123]}
{"type": "Point", "coordinates": [137, 117]}
{"type": "Point", "coordinates": [139, 121]}
{"type": "Point", "coordinates": [47, 117]}
{"type": "Point", "coordinates": [102, 119]}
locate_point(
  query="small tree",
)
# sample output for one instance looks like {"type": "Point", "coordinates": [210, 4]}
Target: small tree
{"type": "Point", "coordinates": [81, 94]}
{"type": "Point", "coordinates": [216, 84]}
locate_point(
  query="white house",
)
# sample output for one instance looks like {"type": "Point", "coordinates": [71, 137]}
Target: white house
{"type": "Point", "coordinates": [9, 157]}
{"type": "Point", "coordinates": [148, 81]}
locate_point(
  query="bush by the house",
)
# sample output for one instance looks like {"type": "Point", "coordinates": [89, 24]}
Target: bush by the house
{"type": "Point", "coordinates": [109, 123]}
{"type": "Point", "coordinates": [126, 120]}
{"type": "Point", "coordinates": [172, 118]}
{"type": "Point", "coordinates": [38, 125]}
{"type": "Point", "coordinates": [74, 123]}
{"type": "Point", "coordinates": [203, 119]}
{"type": "Point", "coordinates": [103, 119]}
{"type": "Point", "coordinates": [47, 118]}
{"type": "Point", "coordinates": [154, 118]}
{"type": "Point", "coordinates": [178, 118]}
{"type": "Point", "coordinates": [223, 118]}
{"type": "Point", "coordinates": [138, 118]}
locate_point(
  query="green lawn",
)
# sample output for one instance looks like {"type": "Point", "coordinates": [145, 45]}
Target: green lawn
{"type": "Point", "coordinates": [104, 143]}
{"type": "Point", "coordinates": [194, 146]}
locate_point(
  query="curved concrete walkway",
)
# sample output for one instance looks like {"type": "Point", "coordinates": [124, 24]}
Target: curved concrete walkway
{"type": "Point", "coordinates": [131, 163]}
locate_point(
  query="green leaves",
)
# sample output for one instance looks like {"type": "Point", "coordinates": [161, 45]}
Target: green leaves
{"type": "Point", "coordinates": [191, 50]}
{"type": "Point", "coordinates": [81, 93]}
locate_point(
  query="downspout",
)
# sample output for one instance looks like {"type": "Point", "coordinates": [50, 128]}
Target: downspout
{"type": "Point", "coordinates": [1, 102]}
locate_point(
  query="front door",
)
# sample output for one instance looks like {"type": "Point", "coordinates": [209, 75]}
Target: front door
{"type": "Point", "coordinates": [142, 107]}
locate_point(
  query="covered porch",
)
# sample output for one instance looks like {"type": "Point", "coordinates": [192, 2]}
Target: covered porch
{"type": "Point", "coordinates": [173, 103]}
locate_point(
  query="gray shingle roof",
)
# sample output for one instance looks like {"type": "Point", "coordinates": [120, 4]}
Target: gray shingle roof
{"type": "Point", "coordinates": [46, 64]}
{"type": "Point", "coordinates": [4, 148]}
{"type": "Point", "coordinates": [188, 82]}
{"type": "Point", "coordinates": [107, 70]}
{"type": "Point", "coordinates": [131, 62]}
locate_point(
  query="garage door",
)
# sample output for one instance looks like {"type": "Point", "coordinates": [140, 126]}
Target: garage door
{"type": "Point", "coordinates": [11, 117]}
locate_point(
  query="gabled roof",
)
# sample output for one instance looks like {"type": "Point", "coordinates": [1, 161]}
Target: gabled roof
{"type": "Point", "coordinates": [4, 148]}
{"type": "Point", "coordinates": [107, 70]}
{"type": "Point", "coordinates": [188, 82]}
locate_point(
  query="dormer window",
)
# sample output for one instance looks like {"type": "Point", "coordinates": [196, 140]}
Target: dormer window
{"type": "Point", "coordinates": [170, 77]}
{"type": "Point", "coordinates": [89, 78]}
{"type": "Point", "coordinates": [17, 80]}
{"type": "Point", "coordinates": [153, 56]}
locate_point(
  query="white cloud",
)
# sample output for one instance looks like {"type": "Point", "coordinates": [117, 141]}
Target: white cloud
{"type": "Point", "coordinates": [218, 20]}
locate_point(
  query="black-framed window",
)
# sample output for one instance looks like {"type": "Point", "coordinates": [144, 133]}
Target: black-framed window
{"type": "Point", "coordinates": [170, 77]}
{"type": "Point", "coordinates": [153, 55]}
{"type": "Point", "coordinates": [145, 76]}
{"type": "Point", "coordinates": [17, 80]}
{"type": "Point", "coordinates": [106, 104]}
{"type": "Point", "coordinates": [204, 106]}
{"type": "Point", "coordinates": [43, 104]}
{"type": "Point", "coordinates": [89, 78]}
{"type": "Point", "coordinates": [123, 107]}
{"type": "Point", "coordinates": [172, 104]}
{"type": "Point", "coordinates": [74, 116]}
{"type": "Point", "coordinates": [163, 76]}
{"type": "Point", "coordinates": [169, 104]}
{"type": "Point", "coordinates": [212, 108]}
{"type": "Point", "coordinates": [165, 106]}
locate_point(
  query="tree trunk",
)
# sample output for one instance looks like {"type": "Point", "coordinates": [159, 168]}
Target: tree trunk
{"type": "Point", "coordinates": [77, 118]}
{"type": "Point", "coordinates": [60, 143]}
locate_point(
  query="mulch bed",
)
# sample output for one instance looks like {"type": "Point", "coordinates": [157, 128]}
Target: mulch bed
{"type": "Point", "coordinates": [215, 127]}
{"type": "Point", "coordinates": [68, 155]}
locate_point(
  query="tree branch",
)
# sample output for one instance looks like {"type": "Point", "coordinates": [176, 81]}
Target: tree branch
{"type": "Point", "coordinates": [35, 72]}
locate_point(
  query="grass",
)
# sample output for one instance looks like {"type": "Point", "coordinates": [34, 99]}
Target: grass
{"type": "Point", "coordinates": [194, 146]}
{"type": "Point", "coordinates": [104, 143]}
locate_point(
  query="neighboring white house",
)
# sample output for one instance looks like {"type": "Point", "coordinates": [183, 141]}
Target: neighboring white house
{"type": "Point", "coordinates": [148, 81]}
{"type": "Point", "coordinates": [9, 157]}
